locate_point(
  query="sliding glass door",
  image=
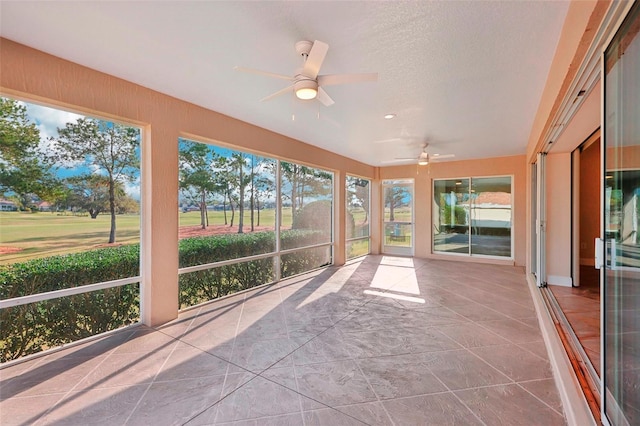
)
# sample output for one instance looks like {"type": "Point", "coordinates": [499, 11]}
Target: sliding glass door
{"type": "Point", "coordinates": [621, 296]}
{"type": "Point", "coordinates": [472, 216]}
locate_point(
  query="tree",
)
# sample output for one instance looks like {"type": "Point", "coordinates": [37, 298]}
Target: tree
{"type": "Point", "coordinates": [252, 197]}
{"type": "Point", "coordinates": [359, 189]}
{"type": "Point", "coordinates": [304, 181]}
{"type": "Point", "coordinates": [89, 193]}
{"type": "Point", "coordinates": [222, 184]}
{"type": "Point", "coordinates": [263, 188]}
{"type": "Point", "coordinates": [24, 168]}
{"type": "Point", "coordinates": [239, 180]}
{"type": "Point", "coordinates": [395, 196]}
{"type": "Point", "coordinates": [195, 160]}
{"type": "Point", "coordinates": [107, 148]}
{"type": "Point", "coordinates": [125, 204]}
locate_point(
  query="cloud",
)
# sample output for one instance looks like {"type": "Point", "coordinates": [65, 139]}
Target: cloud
{"type": "Point", "coordinates": [49, 120]}
{"type": "Point", "coordinates": [94, 169]}
{"type": "Point", "coordinates": [133, 189]}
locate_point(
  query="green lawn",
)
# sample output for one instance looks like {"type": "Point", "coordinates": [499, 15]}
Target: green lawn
{"type": "Point", "coordinates": [401, 214]}
{"type": "Point", "coordinates": [46, 234]}
{"type": "Point", "coordinates": [267, 218]}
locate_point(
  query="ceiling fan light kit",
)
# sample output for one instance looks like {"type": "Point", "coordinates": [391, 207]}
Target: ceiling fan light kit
{"type": "Point", "coordinates": [306, 89]}
{"type": "Point", "coordinates": [306, 84]}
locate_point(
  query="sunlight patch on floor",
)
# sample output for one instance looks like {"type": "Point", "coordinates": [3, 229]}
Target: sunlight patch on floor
{"type": "Point", "coordinates": [398, 278]}
{"type": "Point", "coordinates": [405, 262]}
{"type": "Point", "coordinates": [333, 284]}
{"type": "Point", "coordinates": [394, 296]}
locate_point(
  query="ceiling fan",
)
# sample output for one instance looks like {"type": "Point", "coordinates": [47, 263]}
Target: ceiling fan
{"type": "Point", "coordinates": [306, 83]}
{"type": "Point", "coordinates": [423, 159]}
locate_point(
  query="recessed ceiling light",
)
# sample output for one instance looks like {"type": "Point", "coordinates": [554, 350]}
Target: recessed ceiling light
{"type": "Point", "coordinates": [389, 116]}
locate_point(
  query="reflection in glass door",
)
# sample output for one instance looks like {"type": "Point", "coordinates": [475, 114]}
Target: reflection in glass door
{"type": "Point", "coordinates": [490, 216]}
{"type": "Point", "coordinates": [451, 216]}
{"type": "Point", "coordinates": [398, 217]}
{"type": "Point", "coordinates": [472, 216]}
{"type": "Point", "coordinates": [621, 306]}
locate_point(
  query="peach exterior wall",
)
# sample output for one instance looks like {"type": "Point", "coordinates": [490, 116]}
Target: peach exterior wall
{"type": "Point", "coordinates": [36, 76]}
{"type": "Point", "coordinates": [423, 176]}
{"type": "Point", "coordinates": [558, 227]}
{"type": "Point", "coordinates": [583, 18]}
{"type": "Point", "coordinates": [623, 158]}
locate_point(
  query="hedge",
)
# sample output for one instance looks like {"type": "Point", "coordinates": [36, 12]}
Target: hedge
{"type": "Point", "coordinates": [31, 328]}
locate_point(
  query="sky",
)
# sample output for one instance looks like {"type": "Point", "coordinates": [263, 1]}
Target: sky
{"type": "Point", "coordinates": [48, 120]}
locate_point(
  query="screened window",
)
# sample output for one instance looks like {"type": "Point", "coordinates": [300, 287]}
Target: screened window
{"type": "Point", "coordinates": [306, 212]}
{"type": "Point", "coordinates": [69, 223]}
{"type": "Point", "coordinates": [231, 203]}
{"type": "Point", "coordinates": [358, 241]}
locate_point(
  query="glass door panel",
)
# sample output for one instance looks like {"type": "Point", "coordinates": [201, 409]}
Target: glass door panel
{"type": "Point", "coordinates": [398, 217]}
{"type": "Point", "coordinates": [491, 216]}
{"type": "Point", "coordinates": [451, 216]}
{"type": "Point", "coordinates": [621, 296]}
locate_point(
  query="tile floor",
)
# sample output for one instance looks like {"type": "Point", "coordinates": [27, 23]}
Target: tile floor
{"type": "Point", "coordinates": [380, 341]}
{"type": "Point", "coordinates": [581, 307]}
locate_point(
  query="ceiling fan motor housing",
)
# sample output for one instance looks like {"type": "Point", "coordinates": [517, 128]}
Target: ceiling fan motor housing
{"type": "Point", "coordinates": [304, 47]}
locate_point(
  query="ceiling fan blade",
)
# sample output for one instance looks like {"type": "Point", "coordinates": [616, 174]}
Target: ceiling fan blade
{"type": "Point", "coordinates": [314, 60]}
{"type": "Point", "coordinates": [265, 73]}
{"type": "Point", "coordinates": [333, 79]}
{"type": "Point", "coordinates": [392, 140]}
{"type": "Point", "coordinates": [324, 97]}
{"type": "Point", "coordinates": [440, 157]}
{"type": "Point", "coordinates": [398, 160]}
{"type": "Point", "coordinates": [278, 93]}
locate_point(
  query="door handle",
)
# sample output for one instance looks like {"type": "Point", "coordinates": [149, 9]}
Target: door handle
{"type": "Point", "coordinates": [599, 254]}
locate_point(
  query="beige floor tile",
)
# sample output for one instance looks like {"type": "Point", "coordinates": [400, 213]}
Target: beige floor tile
{"type": "Point", "coordinates": [314, 349]}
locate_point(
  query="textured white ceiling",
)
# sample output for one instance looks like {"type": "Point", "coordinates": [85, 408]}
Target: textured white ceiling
{"type": "Point", "coordinates": [465, 75]}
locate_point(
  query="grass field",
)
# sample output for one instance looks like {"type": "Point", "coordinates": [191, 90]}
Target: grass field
{"type": "Point", "coordinates": [267, 218]}
{"type": "Point", "coordinates": [46, 234]}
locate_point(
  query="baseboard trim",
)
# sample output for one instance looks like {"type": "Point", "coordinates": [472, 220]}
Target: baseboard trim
{"type": "Point", "coordinates": [559, 280]}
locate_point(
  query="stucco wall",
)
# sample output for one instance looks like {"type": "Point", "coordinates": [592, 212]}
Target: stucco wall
{"type": "Point", "coordinates": [33, 75]}
{"type": "Point", "coordinates": [558, 225]}
{"type": "Point", "coordinates": [423, 176]}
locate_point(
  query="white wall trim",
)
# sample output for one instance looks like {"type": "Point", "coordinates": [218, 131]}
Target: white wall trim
{"type": "Point", "coordinates": [574, 403]}
{"type": "Point", "coordinates": [559, 280]}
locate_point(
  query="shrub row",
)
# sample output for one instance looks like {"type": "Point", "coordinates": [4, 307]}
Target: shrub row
{"type": "Point", "coordinates": [201, 286]}
{"type": "Point", "coordinates": [31, 328]}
